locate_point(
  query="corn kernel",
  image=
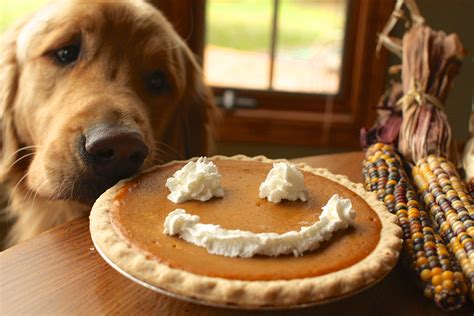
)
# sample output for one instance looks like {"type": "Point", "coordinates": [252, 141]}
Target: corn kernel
{"type": "Point", "coordinates": [425, 275]}
{"type": "Point", "coordinates": [447, 275]}
{"type": "Point", "coordinates": [448, 284]}
{"type": "Point", "coordinates": [437, 280]}
{"type": "Point", "coordinates": [436, 271]}
{"type": "Point", "coordinates": [421, 261]}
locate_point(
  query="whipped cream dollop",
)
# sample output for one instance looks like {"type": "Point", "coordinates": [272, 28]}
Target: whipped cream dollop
{"type": "Point", "coordinates": [337, 214]}
{"type": "Point", "coordinates": [284, 181]}
{"type": "Point", "coordinates": [197, 180]}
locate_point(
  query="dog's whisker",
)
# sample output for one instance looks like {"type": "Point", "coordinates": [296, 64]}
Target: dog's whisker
{"type": "Point", "coordinates": [172, 149]}
{"type": "Point", "coordinates": [155, 155]}
{"type": "Point", "coordinates": [73, 186]}
{"type": "Point", "coordinates": [71, 192]}
{"type": "Point", "coordinates": [20, 159]}
{"type": "Point", "coordinates": [29, 192]}
{"type": "Point", "coordinates": [22, 149]}
{"type": "Point", "coordinates": [152, 154]}
{"type": "Point", "coordinates": [158, 150]}
{"type": "Point", "coordinates": [38, 190]}
{"type": "Point", "coordinates": [159, 161]}
{"type": "Point", "coordinates": [61, 185]}
{"type": "Point", "coordinates": [168, 153]}
{"type": "Point", "coordinates": [10, 199]}
{"type": "Point", "coordinates": [158, 155]}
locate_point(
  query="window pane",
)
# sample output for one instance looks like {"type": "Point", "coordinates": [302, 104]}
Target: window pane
{"type": "Point", "coordinates": [238, 43]}
{"type": "Point", "coordinates": [309, 45]}
{"type": "Point", "coordinates": [12, 10]}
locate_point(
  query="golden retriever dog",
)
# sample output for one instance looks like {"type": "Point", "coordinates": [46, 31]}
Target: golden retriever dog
{"type": "Point", "coordinates": [92, 92]}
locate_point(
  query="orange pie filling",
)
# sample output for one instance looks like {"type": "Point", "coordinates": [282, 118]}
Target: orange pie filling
{"type": "Point", "coordinates": [141, 206]}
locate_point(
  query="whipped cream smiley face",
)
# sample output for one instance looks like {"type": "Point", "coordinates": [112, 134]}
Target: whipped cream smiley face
{"type": "Point", "coordinates": [284, 181]}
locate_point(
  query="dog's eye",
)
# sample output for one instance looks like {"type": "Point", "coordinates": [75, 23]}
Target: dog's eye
{"type": "Point", "coordinates": [67, 54]}
{"type": "Point", "coordinates": [157, 82]}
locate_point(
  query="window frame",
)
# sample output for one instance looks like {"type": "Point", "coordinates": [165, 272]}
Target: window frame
{"type": "Point", "coordinates": [301, 101]}
{"type": "Point", "coordinates": [302, 118]}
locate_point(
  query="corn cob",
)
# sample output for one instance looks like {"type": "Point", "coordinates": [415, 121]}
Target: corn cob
{"type": "Point", "coordinates": [424, 249]}
{"type": "Point", "coordinates": [452, 208]}
{"type": "Point", "coordinates": [470, 186]}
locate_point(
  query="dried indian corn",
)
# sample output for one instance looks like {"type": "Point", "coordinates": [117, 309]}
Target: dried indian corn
{"type": "Point", "coordinates": [452, 208]}
{"type": "Point", "coordinates": [470, 186]}
{"type": "Point", "coordinates": [424, 249]}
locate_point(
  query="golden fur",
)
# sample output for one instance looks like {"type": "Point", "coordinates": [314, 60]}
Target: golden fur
{"type": "Point", "coordinates": [44, 107]}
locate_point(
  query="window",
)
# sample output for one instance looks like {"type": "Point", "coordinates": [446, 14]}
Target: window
{"type": "Point", "coordinates": [275, 45]}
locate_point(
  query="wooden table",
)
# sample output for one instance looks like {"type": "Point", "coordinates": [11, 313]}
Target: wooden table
{"type": "Point", "coordinates": [60, 272]}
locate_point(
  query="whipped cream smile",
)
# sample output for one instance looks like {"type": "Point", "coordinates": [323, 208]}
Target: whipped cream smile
{"type": "Point", "coordinates": [337, 214]}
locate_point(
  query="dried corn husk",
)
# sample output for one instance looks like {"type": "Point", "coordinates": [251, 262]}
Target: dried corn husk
{"type": "Point", "coordinates": [430, 61]}
{"type": "Point", "coordinates": [389, 119]}
{"type": "Point", "coordinates": [468, 157]}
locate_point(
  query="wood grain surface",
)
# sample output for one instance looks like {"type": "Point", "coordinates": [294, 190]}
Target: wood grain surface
{"type": "Point", "coordinates": [60, 272]}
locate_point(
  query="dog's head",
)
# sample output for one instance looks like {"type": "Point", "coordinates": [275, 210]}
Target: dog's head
{"type": "Point", "coordinates": [93, 92]}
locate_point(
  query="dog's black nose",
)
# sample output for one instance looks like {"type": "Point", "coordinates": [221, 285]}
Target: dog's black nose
{"type": "Point", "coordinates": [112, 153]}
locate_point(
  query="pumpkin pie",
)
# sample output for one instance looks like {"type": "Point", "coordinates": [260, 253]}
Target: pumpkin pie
{"type": "Point", "coordinates": [126, 226]}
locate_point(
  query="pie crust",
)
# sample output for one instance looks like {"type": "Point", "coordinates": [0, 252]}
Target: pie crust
{"type": "Point", "coordinates": [249, 293]}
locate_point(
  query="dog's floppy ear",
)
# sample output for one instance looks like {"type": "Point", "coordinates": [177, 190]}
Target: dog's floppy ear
{"type": "Point", "coordinates": [194, 124]}
{"type": "Point", "coordinates": [9, 73]}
